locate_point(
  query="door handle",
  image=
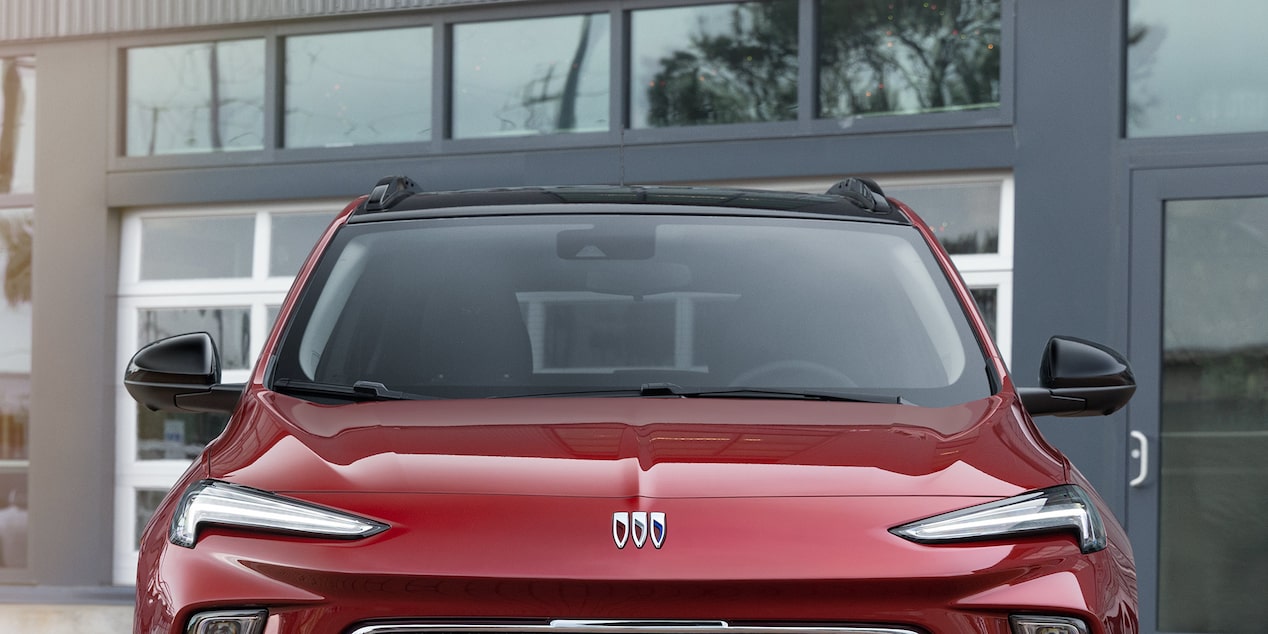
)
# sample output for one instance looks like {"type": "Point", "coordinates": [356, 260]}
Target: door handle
{"type": "Point", "coordinates": [1140, 453]}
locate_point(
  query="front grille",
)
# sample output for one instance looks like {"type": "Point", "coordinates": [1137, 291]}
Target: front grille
{"type": "Point", "coordinates": [622, 627]}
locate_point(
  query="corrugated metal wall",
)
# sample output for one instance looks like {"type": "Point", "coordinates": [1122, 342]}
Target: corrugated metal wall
{"type": "Point", "coordinates": [47, 19]}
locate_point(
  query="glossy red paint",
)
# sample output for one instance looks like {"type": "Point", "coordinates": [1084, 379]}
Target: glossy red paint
{"type": "Point", "coordinates": [501, 510]}
{"type": "Point", "coordinates": [805, 498]}
{"type": "Point", "coordinates": [623, 447]}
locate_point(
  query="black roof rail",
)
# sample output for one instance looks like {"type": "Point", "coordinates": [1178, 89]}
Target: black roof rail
{"type": "Point", "coordinates": [863, 192]}
{"type": "Point", "coordinates": [389, 191]}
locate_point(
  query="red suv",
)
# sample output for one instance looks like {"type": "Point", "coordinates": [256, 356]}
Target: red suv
{"type": "Point", "coordinates": [631, 410]}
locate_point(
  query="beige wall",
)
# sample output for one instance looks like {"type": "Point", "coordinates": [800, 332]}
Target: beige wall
{"type": "Point", "coordinates": [72, 409]}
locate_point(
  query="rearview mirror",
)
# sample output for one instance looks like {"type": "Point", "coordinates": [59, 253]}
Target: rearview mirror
{"type": "Point", "coordinates": [180, 373]}
{"type": "Point", "coordinates": [1079, 378]}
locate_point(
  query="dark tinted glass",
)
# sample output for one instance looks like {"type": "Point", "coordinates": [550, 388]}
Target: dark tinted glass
{"type": "Point", "coordinates": [964, 216]}
{"type": "Point", "coordinates": [907, 56]}
{"type": "Point", "coordinates": [175, 435]}
{"type": "Point", "coordinates": [230, 328]}
{"type": "Point", "coordinates": [720, 63]}
{"type": "Point", "coordinates": [1213, 498]}
{"type": "Point", "coordinates": [147, 502]}
{"type": "Point", "coordinates": [292, 238]}
{"type": "Point", "coordinates": [504, 306]}
{"type": "Point", "coordinates": [988, 304]}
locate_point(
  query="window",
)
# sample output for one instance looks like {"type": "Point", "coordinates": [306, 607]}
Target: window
{"type": "Point", "coordinates": [1213, 480]}
{"type": "Point", "coordinates": [679, 66]}
{"type": "Point", "coordinates": [721, 63]}
{"type": "Point", "coordinates": [358, 88]}
{"type": "Point", "coordinates": [535, 76]}
{"type": "Point", "coordinates": [17, 125]}
{"type": "Point", "coordinates": [624, 300]}
{"type": "Point", "coordinates": [223, 271]}
{"type": "Point", "coordinates": [1193, 68]}
{"type": "Point", "coordinates": [907, 56]}
{"type": "Point", "coordinates": [17, 229]}
{"type": "Point", "coordinates": [972, 216]}
{"type": "Point", "coordinates": [204, 97]}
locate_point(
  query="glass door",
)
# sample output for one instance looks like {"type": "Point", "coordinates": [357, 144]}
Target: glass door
{"type": "Point", "coordinates": [1198, 500]}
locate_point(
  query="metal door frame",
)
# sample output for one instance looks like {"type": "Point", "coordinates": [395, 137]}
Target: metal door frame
{"type": "Point", "coordinates": [1150, 190]}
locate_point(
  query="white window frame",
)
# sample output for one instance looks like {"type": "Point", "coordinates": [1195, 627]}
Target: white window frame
{"type": "Point", "coordinates": [257, 292]}
{"type": "Point", "coordinates": [979, 270]}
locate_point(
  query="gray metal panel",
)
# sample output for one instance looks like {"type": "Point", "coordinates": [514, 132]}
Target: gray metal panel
{"type": "Point", "coordinates": [731, 159]}
{"type": "Point", "coordinates": [1070, 262]}
{"type": "Point", "coordinates": [45, 19]}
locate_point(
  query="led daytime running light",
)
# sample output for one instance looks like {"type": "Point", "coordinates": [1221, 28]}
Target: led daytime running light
{"type": "Point", "coordinates": [1060, 508]}
{"type": "Point", "coordinates": [219, 503]}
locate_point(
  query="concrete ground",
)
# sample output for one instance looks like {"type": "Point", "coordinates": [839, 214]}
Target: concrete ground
{"type": "Point", "coordinates": [65, 619]}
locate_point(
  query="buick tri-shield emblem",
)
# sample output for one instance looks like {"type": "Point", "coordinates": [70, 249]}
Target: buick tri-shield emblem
{"type": "Point", "coordinates": [638, 527]}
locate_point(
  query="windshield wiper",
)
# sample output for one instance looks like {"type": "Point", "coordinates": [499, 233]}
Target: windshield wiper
{"type": "Point", "coordinates": [670, 389]}
{"type": "Point", "coordinates": [360, 391]}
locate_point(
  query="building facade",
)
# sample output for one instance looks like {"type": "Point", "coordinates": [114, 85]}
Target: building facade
{"type": "Point", "coordinates": [1097, 169]}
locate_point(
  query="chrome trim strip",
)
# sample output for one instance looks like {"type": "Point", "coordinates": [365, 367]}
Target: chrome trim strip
{"type": "Point", "coordinates": [564, 626]}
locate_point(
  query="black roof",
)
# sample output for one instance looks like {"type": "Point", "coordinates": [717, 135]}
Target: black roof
{"type": "Point", "coordinates": [398, 197]}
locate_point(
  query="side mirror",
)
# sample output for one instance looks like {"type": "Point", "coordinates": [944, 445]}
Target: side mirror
{"type": "Point", "coordinates": [180, 373]}
{"type": "Point", "coordinates": [1079, 378]}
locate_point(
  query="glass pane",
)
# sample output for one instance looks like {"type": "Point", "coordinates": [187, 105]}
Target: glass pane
{"type": "Point", "coordinates": [206, 97]}
{"type": "Point", "coordinates": [17, 125]}
{"type": "Point", "coordinates": [723, 63]}
{"type": "Point", "coordinates": [907, 56]}
{"type": "Point", "coordinates": [13, 517]}
{"type": "Point", "coordinates": [17, 227]}
{"type": "Point", "coordinates": [531, 76]}
{"type": "Point", "coordinates": [230, 328]}
{"type": "Point", "coordinates": [147, 502]}
{"type": "Point", "coordinates": [1194, 68]}
{"type": "Point", "coordinates": [16, 232]}
{"type": "Point", "coordinates": [1214, 426]}
{"type": "Point", "coordinates": [964, 216]}
{"type": "Point", "coordinates": [201, 247]}
{"type": "Point", "coordinates": [293, 236]}
{"type": "Point", "coordinates": [988, 304]}
{"type": "Point", "coordinates": [617, 301]}
{"type": "Point", "coordinates": [609, 335]}
{"type": "Point", "coordinates": [271, 314]}
{"type": "Point", "coordinates": [358, 88]}
{"type": "Point", "coordinates": [175, 436]}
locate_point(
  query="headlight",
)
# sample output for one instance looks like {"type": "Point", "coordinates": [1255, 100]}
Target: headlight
{"type": "Point", "coordinates": [220, 503]}
{"type": "Point", "coordinates": [1060, 508]}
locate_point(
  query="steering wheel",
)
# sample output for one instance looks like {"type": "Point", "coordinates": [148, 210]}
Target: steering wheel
{"type": "Point", "coordinates": [817, 375]}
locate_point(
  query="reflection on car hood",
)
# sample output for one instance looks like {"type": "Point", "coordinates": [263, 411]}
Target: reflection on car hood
{"type": "Point", "coordinates": [627, 447]}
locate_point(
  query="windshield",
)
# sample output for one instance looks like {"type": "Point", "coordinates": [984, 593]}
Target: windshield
{"type": "Point", "coordinates": [500, 306]}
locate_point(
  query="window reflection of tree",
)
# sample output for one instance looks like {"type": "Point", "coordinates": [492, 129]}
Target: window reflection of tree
{"type": "Point", "coordinates": [16, 239]}
{"type": "Point", "coordinates": [13, 105]}
{"type": "Point", "coordinates": [746, 72]}
{"type": "Point", "coordinates": [545, 107]}
{"type": "Point", "coordinates": [908, 55]}
{"type": "Point", "coordinates": [197, 97]}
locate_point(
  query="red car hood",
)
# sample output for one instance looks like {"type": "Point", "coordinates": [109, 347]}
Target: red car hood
{"type": "Point", "coordinates": [631, 447]}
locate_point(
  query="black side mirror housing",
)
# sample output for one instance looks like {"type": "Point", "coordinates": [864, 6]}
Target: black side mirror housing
{"type": "Point", "coordinates": [180, 374]}
{"type": "Point", "coordinates": [1079, 378]}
